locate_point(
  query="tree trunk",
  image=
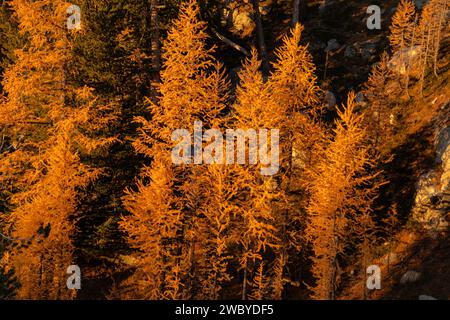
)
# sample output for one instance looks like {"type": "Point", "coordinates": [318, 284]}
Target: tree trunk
{"type": "Point", "coordinates": [244, 284]}
{"type": "Point", "coordinates": [260, 36]}
{"type": "Point", "coordinates": [411, 46]}
{"type": "Point", "coordinates": [156, 46]}
{"type": "Point", "coordinates": [298, 11]}
{"type": "Point", "coordinates": [295, 12]}
{"type": "Point", "coordinates": [442, 12]}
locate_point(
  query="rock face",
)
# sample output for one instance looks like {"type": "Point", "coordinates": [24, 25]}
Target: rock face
{"type": "Point", "coordinates": [432, 202]}
{"type": "Point", "coordinates": [406, 60]}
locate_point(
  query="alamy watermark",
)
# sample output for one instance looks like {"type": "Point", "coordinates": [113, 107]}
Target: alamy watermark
{"type": "Point", "coordinates": [74, 280]}
{"type": "Point", "coordinates": [374, 277]}
{"type": "Point", "coordinates": [74, 20]}
{"type": "Point", "coordinates": [263, 148]}
{"type": "Point", "coordinates": [374, 20]}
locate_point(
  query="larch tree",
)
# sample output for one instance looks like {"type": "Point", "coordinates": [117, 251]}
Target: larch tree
{"type": "Point", "coordinates": [216, 189]}
{"type": "Point", "coordinates": [403, 41]}
{"type": "Point", "coordinates": [335, 198]}
{"type": "Point", "coordinates": [431, 24]}
{"type": "Point", "coordinates": [44, 216]}
{"type": "Point", "coordinates": [192, 88]}
{"type": "Point", "coordinates": [9, 37]}
{"type": "Point", "coordinates": [153, 229]}
{"type": "Point", "coordinates": [378, 112]}
{"type": "Point", "coordinates": [402, 25]}
{"type": "Point", "coordinates": [293, 87]}
{"type": "Point", "coordinates": [50, 122]}
{"type": "Point", "coordinates": [259, 195]}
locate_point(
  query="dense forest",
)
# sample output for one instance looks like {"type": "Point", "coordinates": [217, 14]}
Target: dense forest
{"type": "Point", "coordinates": [118, 121]}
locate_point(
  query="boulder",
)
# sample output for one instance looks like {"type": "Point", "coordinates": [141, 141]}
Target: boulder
{"type": "Point", "coordinates": [242, 22]}
{"type": "Point", "coordinates": [332, 45]}
{"type": "Point", "coordinates": [330, 100]}
{"type": "Point", "coordinates": [360, 99]}
{"type": "Point", "coordinates": [410, 277]}
{"type": "Point", "coordinates": [350, 52]}
{"type": "Point", "coordinates": [425, 297]}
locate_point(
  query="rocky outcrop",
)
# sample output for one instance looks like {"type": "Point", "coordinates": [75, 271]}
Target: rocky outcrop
{"type": "Point", "coordinates": [432, 201]}
{"type": "Point", "coordinates": [406, 61]}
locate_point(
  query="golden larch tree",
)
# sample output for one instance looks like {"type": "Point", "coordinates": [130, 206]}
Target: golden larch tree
{"type": "Point", "coordinates": [255, 108]}
{"type": "Point", "coordinates": [334, 198]}
{"type": "Point", "coordinates": [430, 31]}
{"type": "Point", "coordinates": [402, 26]}
{"type": "Point", "coordinates": [293, 87]}
{"type": "Point", "coordinates": [193, 88]}
{"type": "Point", "coordinates": [379, 111]}
{"type": "Point", "coordinates": [44, 171]}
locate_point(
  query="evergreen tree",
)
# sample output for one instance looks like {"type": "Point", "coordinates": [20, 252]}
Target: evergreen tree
{"type": "Point", "coordinates": [115, 53]}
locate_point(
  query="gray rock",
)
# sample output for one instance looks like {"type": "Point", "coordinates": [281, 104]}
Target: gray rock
{"type": "Point", "coordinates": [238, 18]}
{"type": "Point", "coordinates": [349, 52]}
{"type": "Point", "coordinates": [332, 45]}
{"type": "Point", "coordinates": [443, 145]}
{"type": "Point", "coordinates": [420, 3]}
{"type": "Point", "coordinates": [359, 98]}
{"type": "Point", "coordinates": [330, 100]}
{"type": "Point", "coordinates": [410, 277]}
{"type": "Point", "coordinates": [425, 297]}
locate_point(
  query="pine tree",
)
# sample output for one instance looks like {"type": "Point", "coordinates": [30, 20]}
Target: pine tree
{"type": "Point", "coordinates": [335, 198]}
{"type": "Point", "coordinates": [112, 54]}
